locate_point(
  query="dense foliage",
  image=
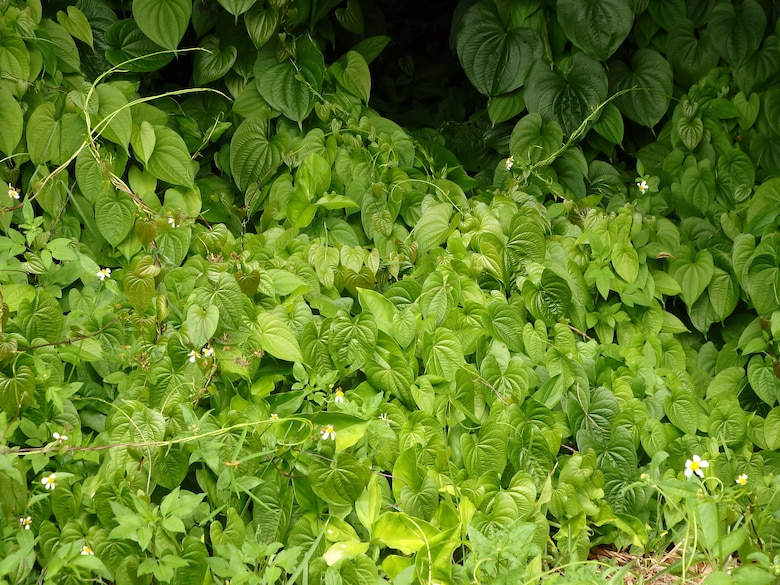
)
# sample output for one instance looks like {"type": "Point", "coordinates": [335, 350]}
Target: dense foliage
{"type": "Point", "coordinates": [255, 330]}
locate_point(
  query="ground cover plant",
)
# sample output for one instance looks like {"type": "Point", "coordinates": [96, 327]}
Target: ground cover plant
{"type": "Point", "coordinates": [285, 301]}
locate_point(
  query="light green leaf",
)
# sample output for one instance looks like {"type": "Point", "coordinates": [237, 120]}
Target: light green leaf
{"type": "Point", "coordinates": [64, 47]}
{"type": "Point", "coordinates": [625, 260]}
{"type": "Point", "coordinates": [11, 122]}
{"type": "Point", "coordinates": [762, 379]}
{"type": "Point", "coordinates": [126, 43]}
{"type": "Point", "coordinates": [52, 138]}
{"type": "Point", "coordinates": [113, 120]}
{"type": "Point", "coordinates": [378, 305]}
{"type": "Point", "coordinates": [202, 323]}
{"type": "Point", "coordinates": [683, 411]}
{"type": "Point", "coordinates": [139, 285]}
{"type": "Point", "coordinates": [391, 373]}
{"type": "Point", "coordinates": [484, 453]}
{"type": "Point", "coordinates": [143, 140]}
{"type": "Point", "coordinates": [351, 341]}
{"type": "Point", "coordinates": [397, 531]}
{"type": "Point", "coordinates": [339, 481]}
{"type": "Point", "coordinates": [533, 139]}
{"type": "Point", "coordinates": [14, 59]}
{"type": "Point", "coordinates": [351, 72]}
{"type": "Point", "coordinates": [170, 159]}
{"type": "Point", "coordinates": [444, 355]}
{"type": "Point", "coordinates": [434, 226]}
{"type": "Point", "coordinates": [76, 24]}
{"type": "Point", "coordinates": [237, 7]}
{"type": "Point", "coordinates": [114, 216]}
{"type": "Point", "coordinates": [277, 338]}
{"type": "Point", "coordinates": [550, 300]}
{"type": "Point", "coordinates": [163, 21]}
{"type": "Point", "coordinates": [16, 388]}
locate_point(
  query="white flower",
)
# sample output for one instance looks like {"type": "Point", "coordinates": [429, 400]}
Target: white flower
{"type": "Point", "coordinates": [59, 438]}
{"type": "Point", "coordinates": [509, 163]}
{"type": "Point", "coordinates": [87, 551]}
{"type": "Point", "coordinates": [13, 192]}
{"type": "Point", "coordinates": [172, 221]}
{"type": "Point", "coordinates": [104, 273]}
{"type": "Point", "coordinates": [328, 433]}
{"type": "Point", "coordinates": [25, 522]}
{"type": "Point", "coordinates": [696, 465]}
{"type": "Point", "coordinates": [49, 480]}
{"type": "Point", "coordinates": [642, 186]}
{"type": "Point", "coordinates": [208, 351]}
{"type": "Point", "coordinates": [339, 395]}
{"type": "Point", "coordinates": [742, 479]}
{"type": "Point", "coordinates": [274, 416]}
{"type": "Point", "coordinates": [193, 356]}
{"type": "Point", "coordinates": [384, 418]}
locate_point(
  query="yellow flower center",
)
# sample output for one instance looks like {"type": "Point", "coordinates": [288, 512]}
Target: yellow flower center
{"type": "Point", "coordinates": [695, 465]}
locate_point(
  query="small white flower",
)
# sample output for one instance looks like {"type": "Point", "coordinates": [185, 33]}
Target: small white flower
{"type": "Point", "coordinates": [87, 551]}
{"type": "Point", "coordinates": [104, 273]}
{"type": "Point", "coordinates": [13, 192]}
{"type": "Point", "coordinates": [25, 522]}
{"type": "Point", "coordinates": [509, 163]}
{"type": "Point", "coordinates": [384, 418]}
{"type": "Point", "coordinates": [48, 481]}
{"type": "Point", "coordinates": [328, 433]}
{"type": "Point", "coordinates": [172, 221]}
{"type": "Point", "coordinates": [59, 438]}
{"type": "Point", "coordinates": [695, 465]}
{"type": "Point", "coordinates": [642, 186]}
{"type": "Point", "coordinates": [194, 355]}
{"type": "Point", "coordinates": [339, 395]}
{"type": "Point", "coordinates": [274, 416]}
{"type": "Point", "coordinates": [742, 479]}
{"type": "Point", "coordinates": [208, 351]}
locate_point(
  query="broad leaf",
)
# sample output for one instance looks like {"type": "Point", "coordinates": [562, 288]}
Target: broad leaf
{"type": "Point", "coordinates": [290, 86]}
{"type": "Point", "coordinates": [127, 44]}
{"type": "Point", "coordinates": [114, 214]}
{"type": "Point", "coordinates": [214, 64]}
{"type": "Point", "coordinates": [253, 157]}
{"type": "Point", "coordinates": [11, 121]}
{"type": "Point", "coordinates": [340, 481]}
{"type": "Point", "coordinates": [351, 72]}
{"type": "Point", "coordinates": [495, 60]}
{"type": "Point", "coordinates": [598, 27]}
{"type": "Point", "coordinates": [567, 98]}
{"type": "Point", "coordinates": [739, 28]}
{"type": "Point", "coordinates": [170, 159]}
{"type": "Point", "coordinates": [163, 21]}
{"type": "Point", "coordinates": [650, 80]}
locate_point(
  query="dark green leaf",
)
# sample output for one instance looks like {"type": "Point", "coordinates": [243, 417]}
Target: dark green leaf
{"type": "Point", "coordinates": [598, 27]}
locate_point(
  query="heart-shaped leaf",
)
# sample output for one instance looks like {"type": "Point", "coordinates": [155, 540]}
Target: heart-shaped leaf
{"type": "Point", "coordinates": [495, 60]}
